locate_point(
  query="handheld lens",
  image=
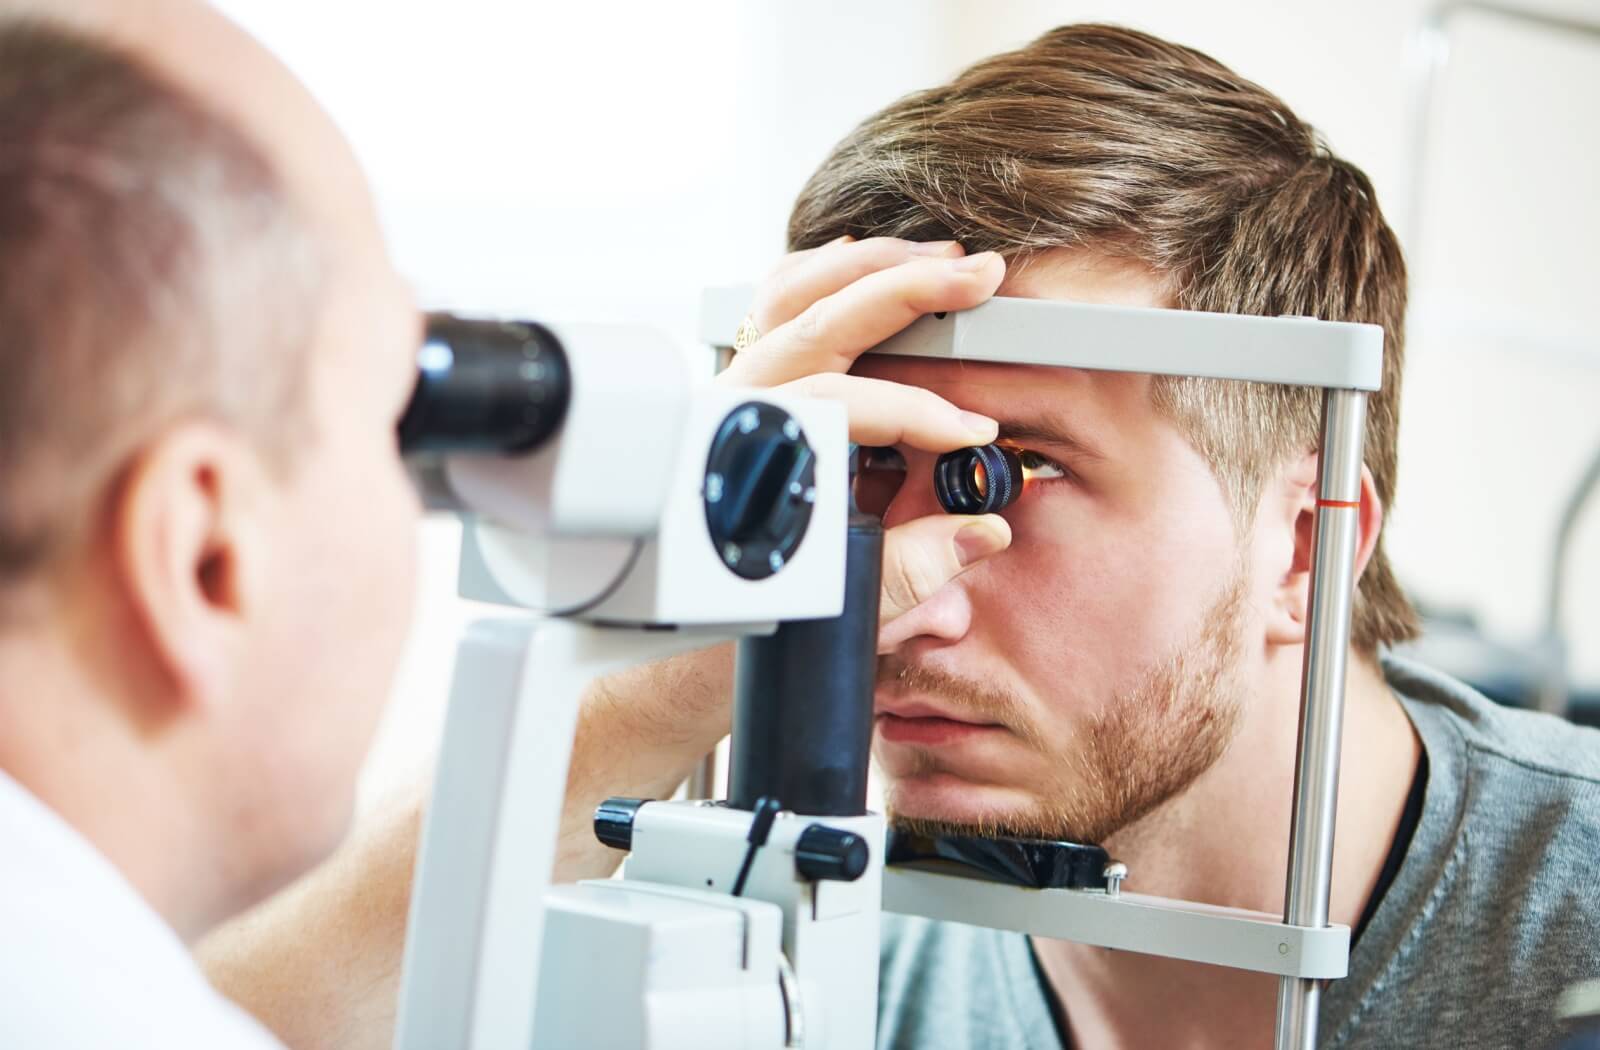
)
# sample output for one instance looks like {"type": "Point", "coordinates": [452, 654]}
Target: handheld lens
{"type": "Point", "coordinates": [984, 479]}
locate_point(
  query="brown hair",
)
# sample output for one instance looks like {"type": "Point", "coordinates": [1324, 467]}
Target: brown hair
{"type": "Point", "coordinates": [150, 269]}
{"type": "Point", "coordinates": [1104, 138]}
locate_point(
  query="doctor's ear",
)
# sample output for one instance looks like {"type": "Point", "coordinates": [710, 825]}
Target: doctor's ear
{"type": "Point", "coordinates": [184, 552]}
{"type": "Point", "coordinates": [1286, 616]}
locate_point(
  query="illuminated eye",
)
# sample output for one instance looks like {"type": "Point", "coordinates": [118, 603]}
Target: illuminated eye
{"type": "Point", "coordinates": [879, 474]}
{"type": "Point", "coordinates": [1036, 467]}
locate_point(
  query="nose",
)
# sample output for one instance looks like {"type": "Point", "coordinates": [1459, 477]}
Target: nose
{"type": "Point", "coordinates": [942, 620]}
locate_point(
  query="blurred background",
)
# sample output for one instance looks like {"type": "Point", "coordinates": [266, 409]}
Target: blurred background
{"type": "Point", "coordinates": [608, 161]}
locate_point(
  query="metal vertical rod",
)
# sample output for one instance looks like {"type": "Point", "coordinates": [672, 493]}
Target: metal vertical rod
{"type": "Point", "coordinates": [1322, 685]}
{"type": "Point", "coordinates": [703, 781]}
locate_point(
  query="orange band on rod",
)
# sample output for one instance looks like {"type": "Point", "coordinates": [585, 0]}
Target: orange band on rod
{"type": "Point", "coordinates": [1356, 505]}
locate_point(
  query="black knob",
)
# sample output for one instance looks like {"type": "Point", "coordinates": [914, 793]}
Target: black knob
{"type": "Point", "coordinates": [613, 821]}
{"type": "Point", "coordinates": [760, 487]}
{"type": "Point", "coordinates": [831, 853]}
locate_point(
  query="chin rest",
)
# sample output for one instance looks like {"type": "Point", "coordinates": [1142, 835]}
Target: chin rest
{"type": "Point", "coordinates": [1043, 864]}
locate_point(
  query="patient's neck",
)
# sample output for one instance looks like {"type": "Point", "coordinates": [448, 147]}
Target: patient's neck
{"type": "Point", "coordinates": [1226, 841]}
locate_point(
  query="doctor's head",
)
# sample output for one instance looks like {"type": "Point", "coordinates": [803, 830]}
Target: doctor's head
{"type": "Point", "coordinates": [1151, 606]}
{"type": "Point", "coordinates": [203, 349]}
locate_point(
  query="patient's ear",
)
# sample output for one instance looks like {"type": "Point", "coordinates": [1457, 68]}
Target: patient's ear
{"type": "Point", "coordinates": [1286, 617]}
{"type": "Point", "coordinates": [183, 546]}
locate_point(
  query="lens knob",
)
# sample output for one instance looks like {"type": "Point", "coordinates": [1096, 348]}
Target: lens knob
{"type": "Point", "coordinates": [759, 490]}
{"type": "Point", "coordinates": [984, 479]}
{"type": "Point", "coordinates": [830, 853]}
{"type": "Point", "coordinates": [613, 821]}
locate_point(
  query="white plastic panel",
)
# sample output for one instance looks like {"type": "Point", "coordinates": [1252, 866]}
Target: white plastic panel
{"type": "Point", "coordinates": [597, 477]}
{"type": "Point", "coordinates": [830, 928]}
{"type": "Point", "coordinates": [652, 966]}
{"type": "Point", "coordinates": [1131, 922]}
{"type": "Point", "coordinates": [679, 577]}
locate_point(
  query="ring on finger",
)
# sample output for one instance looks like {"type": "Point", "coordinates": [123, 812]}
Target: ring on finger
{"type": "Point", "coordinates": [747, 334]}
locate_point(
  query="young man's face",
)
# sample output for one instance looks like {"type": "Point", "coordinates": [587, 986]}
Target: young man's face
{"type": "Point", "coordinates": [1068, 685]}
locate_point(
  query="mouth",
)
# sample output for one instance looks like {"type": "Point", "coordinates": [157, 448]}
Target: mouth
{"type": "Point", "coordinates": [927, 726]}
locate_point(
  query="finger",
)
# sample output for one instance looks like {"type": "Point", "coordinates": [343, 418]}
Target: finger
{"type": "Point", "coordinates": [831, 333]}
{"type": "Point", "coordinates": [923, 555]}
{"type": "Point", "coordinates": [796, 257]}
{"type": "Point", "coordinates": [886, 413]}
{"type": "Point", "coordinates": [805, 277]}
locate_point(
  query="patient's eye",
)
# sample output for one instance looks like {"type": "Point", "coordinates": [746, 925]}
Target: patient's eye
{"type": "Point", "coordinates": [1039, 467]}
{"type": "Point", "coordinates": [879, 474]}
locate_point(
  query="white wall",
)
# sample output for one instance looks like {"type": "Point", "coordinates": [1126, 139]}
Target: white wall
{"type": "Point", "coordinates": [609, 160]}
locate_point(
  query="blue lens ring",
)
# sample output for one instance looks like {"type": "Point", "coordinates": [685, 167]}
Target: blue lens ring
{"type": "Point", "coordinates": [955, 480]}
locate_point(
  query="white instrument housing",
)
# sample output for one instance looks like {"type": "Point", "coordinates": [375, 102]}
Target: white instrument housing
{"type": "Point", "coordinates": [608, 525]}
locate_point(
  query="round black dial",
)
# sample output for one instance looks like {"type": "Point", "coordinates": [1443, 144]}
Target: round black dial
{"type": "Point", "coordinates": [759, 490]}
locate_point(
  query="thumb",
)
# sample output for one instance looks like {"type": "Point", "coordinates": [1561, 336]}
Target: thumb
{"type": "Point", "coordinates": [923, 555]}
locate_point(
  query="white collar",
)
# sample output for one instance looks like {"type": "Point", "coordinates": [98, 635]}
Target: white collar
{"type": "Point", "coordinates": [58, 860]}
{"type": "Point", "coordinates": [74, 923]}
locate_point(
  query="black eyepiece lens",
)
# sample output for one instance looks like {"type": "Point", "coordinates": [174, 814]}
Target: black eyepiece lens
{"type": "Point", "coordinates": [485, 386]}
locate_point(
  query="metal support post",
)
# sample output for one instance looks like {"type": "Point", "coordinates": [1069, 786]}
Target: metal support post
{"type": "Point", "coordinates": [474, 943]}
{"type": "Point", "coordinates": [702, 782]}
{"type": "Point", "coordinates": [1322, 685]}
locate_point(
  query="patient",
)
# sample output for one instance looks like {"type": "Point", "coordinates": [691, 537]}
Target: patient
{"type": "Point", "coordinates": [1117, 658]}
{"type": "Point", "coordinates": [1127, 672]}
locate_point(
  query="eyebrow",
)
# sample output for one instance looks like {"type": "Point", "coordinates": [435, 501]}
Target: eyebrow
{"type": "Point", "coordinates": [1045, 432]}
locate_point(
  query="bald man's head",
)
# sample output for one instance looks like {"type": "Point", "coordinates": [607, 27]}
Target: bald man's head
{"type": "Point", "coordinates": [203, 55]}
{"type": "Point", "coordinates": [206, 533]}
{"type": "Point", "coordinates": [153, 265]}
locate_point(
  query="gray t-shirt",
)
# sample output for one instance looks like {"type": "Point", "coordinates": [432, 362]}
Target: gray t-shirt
{"type": "Point", "coordinates": [1495, 908]}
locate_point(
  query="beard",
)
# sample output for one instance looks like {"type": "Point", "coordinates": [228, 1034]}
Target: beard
{"type": "Point", "coordinates": [1147, 746]}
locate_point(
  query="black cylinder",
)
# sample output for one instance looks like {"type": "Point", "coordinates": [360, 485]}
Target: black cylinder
{"type": "Point", "coordinates": [802, 717]}
{"type": "Point", "coordinates": [494, 387]}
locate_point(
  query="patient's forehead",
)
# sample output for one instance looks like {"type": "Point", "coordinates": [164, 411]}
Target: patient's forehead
{"type": "Point", "coordinates": [1085, 276]}
{"type": "Point", "coordinates": [1106, 410]}
{"type": "Point", "coordinates": [979, 378]}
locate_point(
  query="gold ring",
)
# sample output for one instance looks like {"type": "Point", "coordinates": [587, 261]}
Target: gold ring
{"type": "Point", "coordinates": [747, 334]}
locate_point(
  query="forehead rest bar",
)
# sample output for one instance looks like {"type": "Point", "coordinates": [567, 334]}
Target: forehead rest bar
{"type": "Point", "coordinates": [1294, 351]}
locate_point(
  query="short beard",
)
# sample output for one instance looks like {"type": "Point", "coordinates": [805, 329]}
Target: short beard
{"type": "Point", "coordinates": [1148, 746]}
